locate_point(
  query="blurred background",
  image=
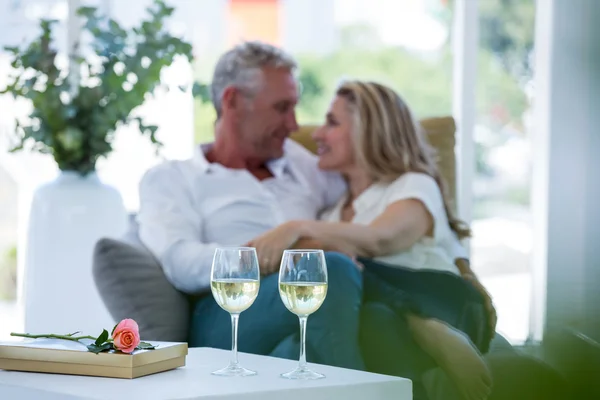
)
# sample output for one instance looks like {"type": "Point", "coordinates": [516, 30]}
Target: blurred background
{"type": "Point", "coordinates": [406, 44]}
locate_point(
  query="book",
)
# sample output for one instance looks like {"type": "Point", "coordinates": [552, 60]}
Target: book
{"type": "Point", "coordinates": [73, 358]}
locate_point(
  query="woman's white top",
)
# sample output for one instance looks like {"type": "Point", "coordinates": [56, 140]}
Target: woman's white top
{"type": "Point", "coordinates": [433, 253]}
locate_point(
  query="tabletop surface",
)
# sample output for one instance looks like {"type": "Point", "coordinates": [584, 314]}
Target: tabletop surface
{"type": "Point", "coordinates": [194, 381]}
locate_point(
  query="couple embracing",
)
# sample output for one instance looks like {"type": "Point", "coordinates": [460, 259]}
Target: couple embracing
{"type": "Point", "coordinates": [401, 299]}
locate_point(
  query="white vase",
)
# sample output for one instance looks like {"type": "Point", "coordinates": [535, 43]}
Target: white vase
{"type": "Point", "coordinates": [67, 218]}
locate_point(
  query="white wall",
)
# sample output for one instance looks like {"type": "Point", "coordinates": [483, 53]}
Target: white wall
{"type": "Point", "coordinates": [592, 199]}
{"type": "Point", "coordinates": [566, 192]}
{"type": "Point", "coordinates": [465, 46]}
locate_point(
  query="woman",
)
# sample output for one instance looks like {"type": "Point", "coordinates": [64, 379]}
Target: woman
{"type": "Point", "coordinates": [396, 221]}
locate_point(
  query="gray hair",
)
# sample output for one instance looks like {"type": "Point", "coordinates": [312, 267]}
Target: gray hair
{"type": "Point", "coordinates": [241, 67]}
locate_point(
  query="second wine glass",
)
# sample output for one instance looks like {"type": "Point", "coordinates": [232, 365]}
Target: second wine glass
{"type": "Point", "coordinates": [303, 288]}
{"type": "Point", "coordinates": [234, 282]}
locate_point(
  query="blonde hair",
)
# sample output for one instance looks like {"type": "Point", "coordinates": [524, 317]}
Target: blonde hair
{"type": "Point", "coordinates": [389, 141]}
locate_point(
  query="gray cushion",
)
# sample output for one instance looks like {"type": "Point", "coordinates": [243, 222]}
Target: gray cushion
{"type": "Point", "coordinates": [132, 284]}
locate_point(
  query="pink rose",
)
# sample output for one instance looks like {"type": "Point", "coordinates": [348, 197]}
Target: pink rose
{"type": "Point", "coordinates": [126, 336]}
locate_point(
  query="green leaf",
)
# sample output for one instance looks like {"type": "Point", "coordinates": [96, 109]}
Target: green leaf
{"type": "Point", "coordinates": [201, 91]}
{"type": "Point", "coordinates": [146, 346]}
{"type": "Point", "coordinates": [143, 51]}
{"type": "Point", "coordinates": [94, 348]}
{"type": "Point", "coordinates": [113, 329]}
{"type": "Point", "coordinates": [102, 338]}
{"type": "Point", "coordinates": [87, 12]}
{"type": "Point", "coordinates": [11, 49]}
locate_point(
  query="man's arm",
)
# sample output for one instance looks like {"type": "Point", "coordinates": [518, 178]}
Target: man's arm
{"type": "Point", "coordinates": [461, 260]}
{"type": "Point", "coordinates": [460, 256]}
{"type": "Point", "coordinates": [464, 266]}
{"type": "Point", "coordinates": [170, 226]}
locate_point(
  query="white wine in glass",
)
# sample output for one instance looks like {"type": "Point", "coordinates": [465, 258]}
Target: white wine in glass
{"type": "Point", "coordinates": [234, 282]}
{"type": "Point", "coordinates": [303, 288]}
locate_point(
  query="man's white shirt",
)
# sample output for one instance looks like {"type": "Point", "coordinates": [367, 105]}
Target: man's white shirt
{"type": "Point", "coordinates": [189, 208]}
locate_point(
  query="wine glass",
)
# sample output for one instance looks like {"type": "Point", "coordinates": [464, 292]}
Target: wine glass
{"type": "Point", "coordinates": [303, 287]}
{"type": "Point", "coordinates": [234, 282]}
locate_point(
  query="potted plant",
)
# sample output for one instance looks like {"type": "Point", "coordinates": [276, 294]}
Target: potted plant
{"type": "Point", "coordinates": [75, 114]}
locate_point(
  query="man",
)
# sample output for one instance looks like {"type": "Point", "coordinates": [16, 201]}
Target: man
{"type": "Point", "coordinates": [248, 181]}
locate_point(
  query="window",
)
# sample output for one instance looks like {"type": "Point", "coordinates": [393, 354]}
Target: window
{"type": "Point", "coordinates": [333, 39]}
{"type": "Point", "coordinates": [18, 172]}
{"type": "Point", "coordinates": [502, 228]}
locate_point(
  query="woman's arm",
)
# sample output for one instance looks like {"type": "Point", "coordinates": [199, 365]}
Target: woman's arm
{"type": "Point", "coordinates": [310, 243]}
{"type": "Point", "coordinates": [398, 228]}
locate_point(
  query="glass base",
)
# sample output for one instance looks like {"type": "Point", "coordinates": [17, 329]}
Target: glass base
{"type": "Point", "coordinates": [234, 370]}
{"type": "Point", "coordinates": [302, 374]}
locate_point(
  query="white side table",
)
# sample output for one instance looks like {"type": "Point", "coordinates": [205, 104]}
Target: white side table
{"type": "Point", "coordinates": [194, 381]}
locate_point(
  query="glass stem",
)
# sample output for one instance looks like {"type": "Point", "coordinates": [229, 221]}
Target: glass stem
{"type": "Point", "coordinates": [234, 335]}
{"type": "Point", "coordinates": [303, 320]}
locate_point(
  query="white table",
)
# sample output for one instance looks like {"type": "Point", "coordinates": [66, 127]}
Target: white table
{"type": "Point", "coordinates": [194, 381]}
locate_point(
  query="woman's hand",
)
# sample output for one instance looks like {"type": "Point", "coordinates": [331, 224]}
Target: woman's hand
{"type": "Point", "coordinates": [464, 267]}
{"type": "Point", "coordinates": [270, 245]}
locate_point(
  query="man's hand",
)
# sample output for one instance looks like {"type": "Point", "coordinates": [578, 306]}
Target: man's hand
{"type": "Point", "coordinates": [487, 298]}
{"type": "Point", "coordinates": [469, 275]}
{"type": "Point", "coordinates": [358, 264]}
{"type": "Point", "coordinates": [270, 245]}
